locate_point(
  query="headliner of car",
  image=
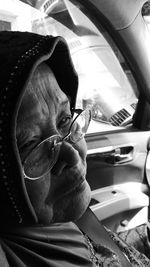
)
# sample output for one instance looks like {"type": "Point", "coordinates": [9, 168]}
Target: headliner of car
{"type": "Point", "coordinates": [121, 13]}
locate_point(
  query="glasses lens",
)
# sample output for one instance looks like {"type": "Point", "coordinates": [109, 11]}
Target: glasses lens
{"type": "Point", "coordinates": [84, 119]}
{"type": "Point", "coordinates": [80, 125]}
{"type": "Point", "coordinates": [42, 158]}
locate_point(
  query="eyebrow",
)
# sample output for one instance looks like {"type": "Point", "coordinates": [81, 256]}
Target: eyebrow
{"type": "Point", "coordinates": [65, 102]}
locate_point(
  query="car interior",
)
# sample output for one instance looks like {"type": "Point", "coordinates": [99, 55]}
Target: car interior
{"type": "Point", "coordinates": [109, 43]}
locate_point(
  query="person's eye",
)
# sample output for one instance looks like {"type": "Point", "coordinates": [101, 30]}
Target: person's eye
{"type": "Point", "coordinates": [65, 123]}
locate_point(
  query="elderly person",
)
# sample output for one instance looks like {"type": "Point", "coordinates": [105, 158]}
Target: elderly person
{"type": "Point", "coordinates": [43, 159]}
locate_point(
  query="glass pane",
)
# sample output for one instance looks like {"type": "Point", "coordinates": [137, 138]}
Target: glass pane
{"type": "Point", "coordinates": [146, 13]}
{"type": "Point", "coordinates": [106, 84]}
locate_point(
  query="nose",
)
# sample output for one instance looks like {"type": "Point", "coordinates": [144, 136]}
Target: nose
{"type": "Point", "coordinates": [68, 157]}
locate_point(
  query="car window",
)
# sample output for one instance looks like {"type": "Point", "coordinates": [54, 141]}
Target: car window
{"type": "Point", "coordinates": [146, 13]}
{"type": "Point", "coordinates": [106, 84]}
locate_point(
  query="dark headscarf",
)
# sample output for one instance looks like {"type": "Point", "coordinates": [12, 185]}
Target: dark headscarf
{"type": "Point", "coordinates": [20, 54]}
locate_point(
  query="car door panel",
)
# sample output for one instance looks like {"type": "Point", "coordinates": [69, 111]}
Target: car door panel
{"type": "Point", "coordinates": [102, 167]}
{"type": "Point", "coordinates": [119, 189]}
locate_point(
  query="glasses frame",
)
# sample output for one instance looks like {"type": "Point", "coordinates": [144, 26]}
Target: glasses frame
{"type": "Point", "coordinates": [60, 140]}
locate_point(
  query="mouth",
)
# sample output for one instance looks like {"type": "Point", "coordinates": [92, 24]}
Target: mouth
{"type": "Point", "coordinates": [75, 187]}
{"type": "Point", "coordinates": [72, 184]}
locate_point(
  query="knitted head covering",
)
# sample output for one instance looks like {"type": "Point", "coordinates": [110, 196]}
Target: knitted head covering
{"type": "Point", "coordinates": [20, 54]}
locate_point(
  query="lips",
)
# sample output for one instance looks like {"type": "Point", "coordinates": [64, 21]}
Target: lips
{"type": "Point", "coordinates": [72, 184]}
{"type": "Point", "coordinates": [69, 181]}
{"type": "Point", "coordinates": [76, 187]}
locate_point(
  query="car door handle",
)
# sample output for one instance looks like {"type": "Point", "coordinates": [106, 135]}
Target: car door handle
{"type": "Point", "coordinates": [111, 155]}
{"type": "Point", "coordinates": [123, 154]}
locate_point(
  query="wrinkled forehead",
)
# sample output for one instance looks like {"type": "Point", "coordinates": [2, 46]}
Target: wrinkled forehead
{"type": "Point", "coordinates": [42, 92]}
{"type": "Point", "coordinates": [43, 86]}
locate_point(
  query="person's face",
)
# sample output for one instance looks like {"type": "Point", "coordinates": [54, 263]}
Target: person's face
{"type": "Point", "coordinates": [62, 194]}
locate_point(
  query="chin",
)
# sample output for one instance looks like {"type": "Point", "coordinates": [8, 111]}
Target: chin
{"type": "Point", "coordinates": [73, 205]}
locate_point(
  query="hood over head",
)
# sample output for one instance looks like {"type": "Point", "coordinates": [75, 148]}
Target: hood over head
{"type": "Point", "coordinates": [20, 54]}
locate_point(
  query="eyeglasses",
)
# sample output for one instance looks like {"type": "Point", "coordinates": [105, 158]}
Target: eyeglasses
{"type": "Point", "coordinates": [44, 156]}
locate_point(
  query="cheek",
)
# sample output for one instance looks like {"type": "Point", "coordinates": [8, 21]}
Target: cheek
{"type": "Point", "coordinates": [38, 191]}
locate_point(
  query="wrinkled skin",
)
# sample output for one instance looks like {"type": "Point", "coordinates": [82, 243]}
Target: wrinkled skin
{"type": "Point", "coordinates": [63, 194]}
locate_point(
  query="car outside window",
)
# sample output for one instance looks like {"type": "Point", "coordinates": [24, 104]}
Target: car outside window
{"type": "Point", "coordinates": [106, 84]}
